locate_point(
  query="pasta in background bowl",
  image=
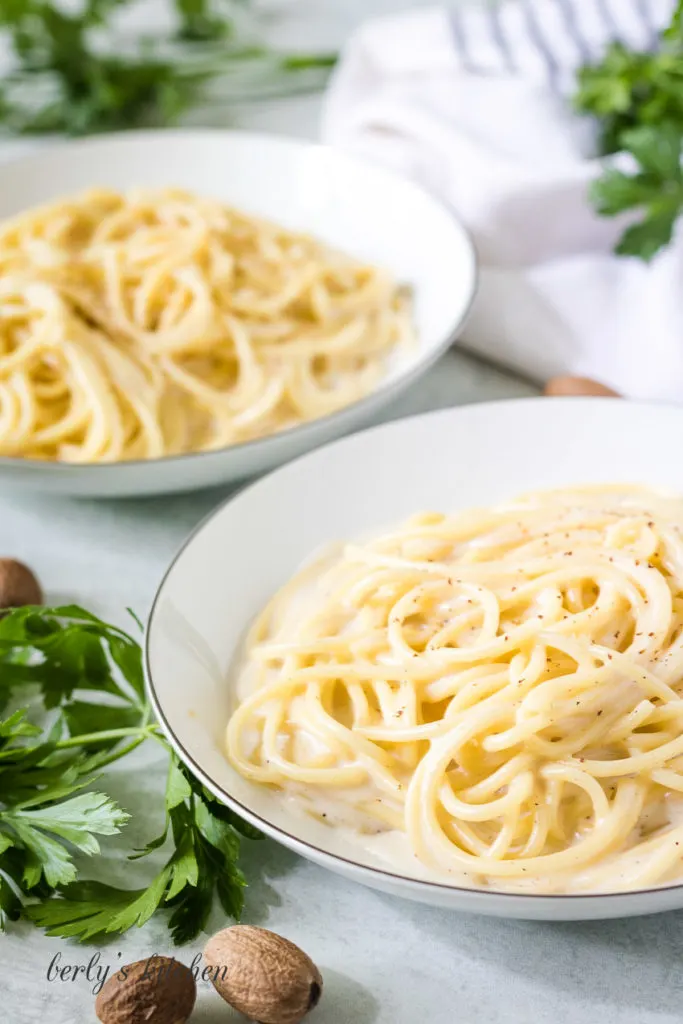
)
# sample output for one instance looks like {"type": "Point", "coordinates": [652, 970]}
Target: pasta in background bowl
{"type": "Point", "coordinates": [183, 308]}
{"type": "Point", "coordinates": [156, 322]}
{"type": "Point", "coordinates": [480, 710]}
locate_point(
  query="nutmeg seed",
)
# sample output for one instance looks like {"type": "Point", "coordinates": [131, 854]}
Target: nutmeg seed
{"type": "Point", "coordinates": [578, 386]}
{"type": "Point", "coordinates": [18, 585]}
{"type": "Point", "coordinates": [159, 990]}
{"type": "Point", "coordinates": [265, 977]}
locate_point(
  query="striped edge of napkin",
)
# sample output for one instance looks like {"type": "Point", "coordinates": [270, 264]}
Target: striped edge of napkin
{"type": "Point", "coordinates": [549, 39]}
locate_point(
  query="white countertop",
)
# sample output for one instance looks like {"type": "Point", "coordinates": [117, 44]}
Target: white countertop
{"type": "Point", "coordinates": [384, 961]}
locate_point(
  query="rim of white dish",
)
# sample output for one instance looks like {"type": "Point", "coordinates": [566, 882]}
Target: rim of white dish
{"type": "Point", "coordinates": [386, 387]}
{"type": "Point", "coordinates": [291, 839]}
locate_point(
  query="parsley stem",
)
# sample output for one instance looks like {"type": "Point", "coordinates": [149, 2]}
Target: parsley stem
{"type": "Point", "coordinates": [160, 738]}
{"type": "Point", "coordinates": [122, 751]}
{"type": "Point", "coordinates": [301, 61]}
{"type": "Point", "coordinates": [107, 734]}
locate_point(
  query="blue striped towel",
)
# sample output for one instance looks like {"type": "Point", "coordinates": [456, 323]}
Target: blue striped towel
{"type": "Point", "coordinates": [472, 102]}
{"type": "Point", "coordinates": [549, 39]}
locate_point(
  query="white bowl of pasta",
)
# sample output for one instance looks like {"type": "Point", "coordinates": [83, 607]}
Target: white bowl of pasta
{"type": "Point", "coordinates": [185, 308]}
{"type": "Point", "coordinates": [481, 710]}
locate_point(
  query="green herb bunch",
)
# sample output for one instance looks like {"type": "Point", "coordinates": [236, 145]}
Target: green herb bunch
{"type": "Point", "coordinates": [84, 679]}
{"type": "Point", "coordinates": [637, 100]}
{"type": "Point", "coordinates": [72, 72]}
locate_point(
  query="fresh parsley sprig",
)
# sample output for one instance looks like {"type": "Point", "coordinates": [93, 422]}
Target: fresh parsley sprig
{"type": "Point", "coordinates": [72, 72]}
{"type": "Point", "coordinates": [89, 681]}
{"type": "Point", "coordinates": [203, 864]}
{"type": "Point", "coordinates": [637, 101]}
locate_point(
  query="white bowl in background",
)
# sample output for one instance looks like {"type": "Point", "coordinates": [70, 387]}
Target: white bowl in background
{"type": "Point", "coordinates": [250, 546]}
{"type": "Point", "coordinates": [358, 208]}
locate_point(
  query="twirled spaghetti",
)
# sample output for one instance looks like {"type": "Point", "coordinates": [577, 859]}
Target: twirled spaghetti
{"type": "Point", "coordinates": [153, 323]}
{"type": "Point", "coordinates": [497, 696]}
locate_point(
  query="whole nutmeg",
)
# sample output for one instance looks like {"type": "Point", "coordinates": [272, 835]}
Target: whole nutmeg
{"type": "Point", "coordinates": [578, 386]}
{"type": "Point", "coordinates": [18, 585]}
{"type": "Point", "coordinates": [158, 990]}
{"type": "Point", "coordinates": [265, 977]}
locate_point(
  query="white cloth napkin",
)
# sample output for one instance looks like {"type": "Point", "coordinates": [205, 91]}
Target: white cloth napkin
{"type": "Point", "coordinates": [472, 103]}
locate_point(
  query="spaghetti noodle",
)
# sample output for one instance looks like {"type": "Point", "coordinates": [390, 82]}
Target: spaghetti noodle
{"type": "Point", "coordinates": [145, 324]}
{"type": "Point", "coordinates": [495, 696]}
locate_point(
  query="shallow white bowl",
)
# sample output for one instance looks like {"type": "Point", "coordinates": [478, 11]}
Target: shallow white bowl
{"type": "Point", "coordinates": [250, 546]}
{"type": "Point", "coordinates": [359, 208]}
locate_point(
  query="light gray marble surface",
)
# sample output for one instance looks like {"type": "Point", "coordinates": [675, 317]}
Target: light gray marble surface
{"type": "Point", "coordinates": [384, 961]}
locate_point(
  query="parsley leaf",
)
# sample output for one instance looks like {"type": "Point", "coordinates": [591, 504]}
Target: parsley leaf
{"type": "Point", "coordinates": [89, 909]}
{"type": "Point", "coordinates": [38, 808]}
{"type": "Point", "coordinates": [204, 862]}
{"type": "Point", "coordinates": [637, 102]}
{"type": "Point", "coordinates": [656, 190]}
{"type": "Point", "coordinates": [88, 675]}
{"type": "Point", "coordinates": [65, 649]}
{"type": "Point", "coordinates": [77, 820]}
